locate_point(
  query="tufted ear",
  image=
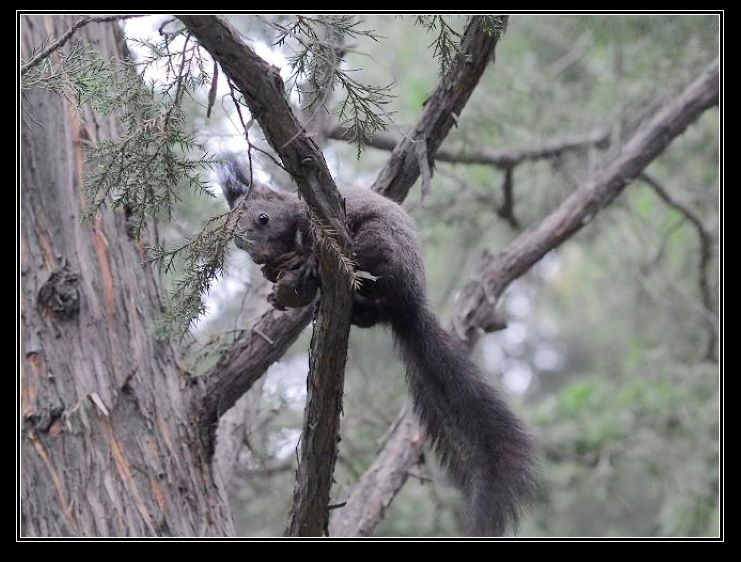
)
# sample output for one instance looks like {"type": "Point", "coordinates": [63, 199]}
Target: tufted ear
{"type": "Point", "coordinates": [234, 182]}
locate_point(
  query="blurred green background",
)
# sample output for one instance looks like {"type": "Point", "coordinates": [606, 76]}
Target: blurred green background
{"type": "Point", "coordinates": [609, 352]}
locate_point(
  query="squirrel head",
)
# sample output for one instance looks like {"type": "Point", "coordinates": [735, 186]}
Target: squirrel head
{"type": "Point", "coordinates": [267, 221]}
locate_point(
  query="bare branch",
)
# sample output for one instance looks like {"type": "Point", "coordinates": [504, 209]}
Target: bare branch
{"type": "Point", "coordinates": [501, 158]}
{"type": "Point", "coordinates": [62, 41]}
{"type": "Point", "coordinates": [580, 208]}
{"type": "Point", "coordinates": [706, 252]}
{"type": "Point", "coordinates": [581, 47]}
{"type": "Point", "coordinates": [263, 90]}
{"type": "Point", "coordinates": [378, 486]}
{"type": "Point", "coordinates": [258, 348]}
{"type": "Point", "coordinates": [476, 306]}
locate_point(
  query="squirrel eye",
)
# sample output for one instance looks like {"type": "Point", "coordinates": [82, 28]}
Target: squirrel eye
{"type": "Point", "coordinates": [262, 218]}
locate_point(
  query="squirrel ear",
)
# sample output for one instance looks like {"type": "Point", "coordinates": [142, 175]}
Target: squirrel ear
{"type": "Point", "coordinates": [234, 182]}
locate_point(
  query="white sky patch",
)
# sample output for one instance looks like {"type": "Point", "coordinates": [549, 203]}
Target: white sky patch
{"type": "Point", "coordinates": [286, 379]}
{"type": "Point", "coordinates": [547, 357]}
{"type": "Point", "coordinates": [283, 444]}
{"type": "Point", "coordinates": [514, 337]}
{"type": "Point", "coordinates": [518, 304]}
{"type": "Point", "coordinates": [492, 353]}
{"type": "Point", "coordinates": [548, 327]}
{"type": "Point", "coordinates": [221, 135]}
{"type": "Point", "coordinates": [273, 56]}
{"type": "Point", "coordinates": [549, 266]}
{"type": "Point", "coordinates": [222, 293]}
{"type": "Point", "coordinates": [516, 376]}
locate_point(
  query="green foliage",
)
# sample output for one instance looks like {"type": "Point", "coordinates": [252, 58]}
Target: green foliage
{"type": "Point", "coordinates": [317, 71]}
{"type": "Point", "coordinates": [446, 43]}
{"type": "Point", "coordinates": [200, 260]}
{"type": "Point", "coordinates": [656, 423]}
{"type": "Point", "coordinates": [628, 419]}
{"type": "Point", "coordinates": [144, 170]}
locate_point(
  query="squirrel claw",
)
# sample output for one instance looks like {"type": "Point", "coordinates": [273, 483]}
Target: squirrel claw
{"type": "Point", "coordinates": [273, 300]}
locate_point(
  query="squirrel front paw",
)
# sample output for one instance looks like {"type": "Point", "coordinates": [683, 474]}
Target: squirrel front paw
{"type": "Point", "coordinates": [295, 288]}
{"type": "Point", "coordinates": [275, 269]}
{"type": "Point", "coordinates": [274, 300]}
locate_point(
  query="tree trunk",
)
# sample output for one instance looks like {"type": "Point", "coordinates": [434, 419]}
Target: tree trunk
{"type": "Point", "coordinates": [108, 445]}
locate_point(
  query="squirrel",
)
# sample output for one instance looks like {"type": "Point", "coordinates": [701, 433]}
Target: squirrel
{"type": "Point", "coordinates": [486, 449]}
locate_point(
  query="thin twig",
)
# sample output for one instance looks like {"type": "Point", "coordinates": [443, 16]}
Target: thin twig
{"type": "Point", "coordinates": [212, 90]}
{"type": "Point", "coordinates": [706, 252]}
{"type": "Point", "coordinates": [501, 158]}
{"type": "Point", "coordinates": [62, 41]}
{"type": "Point", "coordinates": [245, 126]}
{"type": "Point", "coordinates": [507, 209]}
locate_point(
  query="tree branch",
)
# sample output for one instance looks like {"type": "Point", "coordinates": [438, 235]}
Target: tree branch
{"type": "Point", "coordinates": [480, 296]}
{"type": "Point", "coordinates": [263, 91]}
{"type": "Point", "coordinates": [67, 35]}
{"type": "Point", "coordinates": [379, 484]}
{"type": "Point", "coordinates": [706, 252]}
{"type": "Point", "coordinates": [580, 208]}
{"type": "Point", "coordinates": [501, 158]}
{"type": "Point", "coordinates": [505, 159]}
{"type": "Point", "coordinates": [441, 111]}
{"type": "Point", "coordinates": [250, 356]}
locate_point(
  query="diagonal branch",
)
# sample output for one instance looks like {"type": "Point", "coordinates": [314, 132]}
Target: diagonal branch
{"type": "Point", "coordinates": [263, 90]}
{"type": "Point", "coordinates": [505, 159]}
{"type": "Point", "coordinates": [480, 296]}
{"type": "Point", "coordinates": [441, 111]}
{"type": "Point", "coordinates": [706, 252]}
{"type": "Point", "coordinates": [581, 206]}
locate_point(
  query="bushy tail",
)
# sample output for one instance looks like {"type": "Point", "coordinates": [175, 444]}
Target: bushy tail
{"type": "Point", "coordinates": [485, 448]}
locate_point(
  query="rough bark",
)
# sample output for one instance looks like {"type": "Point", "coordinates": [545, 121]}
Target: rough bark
{"type": "Point", "coordinates": [238, 420]}
{"type": "Point", "coordinates": [245, 362]}
{"type": "Point", "coordinates": [475, 308]}
{"type": "Point", "coordinates": [268, 338]}
{"type": "Point", "coordinates": [107, 444]}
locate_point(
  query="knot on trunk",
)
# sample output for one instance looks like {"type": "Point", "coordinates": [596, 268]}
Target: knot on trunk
{"type": "Point", "coordinates": [60, 294]}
